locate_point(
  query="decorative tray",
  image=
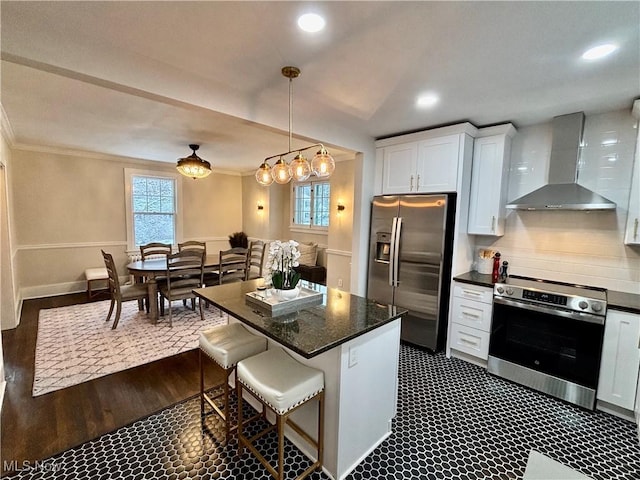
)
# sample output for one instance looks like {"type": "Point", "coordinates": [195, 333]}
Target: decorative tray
{"type": "Point", "coordinates": [270, 301]}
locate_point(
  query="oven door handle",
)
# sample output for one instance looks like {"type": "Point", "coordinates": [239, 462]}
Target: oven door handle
{"type": "Point", "coordinates": [580, 316]}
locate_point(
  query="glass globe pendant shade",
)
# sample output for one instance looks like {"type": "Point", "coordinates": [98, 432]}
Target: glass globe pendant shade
{"type": "Point", "coordinates": [281, 172]}
{"type": "Point", "coordinates": [193, 166]}
{"type": "Point", "coordinates": [323, 164]}
{"type": "Point", "coordinates": [300, 168]}
{"type": "Point", "coordinates": [263, 174]}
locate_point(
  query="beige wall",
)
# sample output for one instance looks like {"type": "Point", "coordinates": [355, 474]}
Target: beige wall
{"type": "Point", "coordinates": [255, 223]}
{"type": "Point", "coordinates": [341, 226]}
{"type": "Point", "coordinates": [68, 207]}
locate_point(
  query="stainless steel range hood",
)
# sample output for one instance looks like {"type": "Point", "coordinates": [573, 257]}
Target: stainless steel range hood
{"type": "Point", "coordinates": [562, 191]}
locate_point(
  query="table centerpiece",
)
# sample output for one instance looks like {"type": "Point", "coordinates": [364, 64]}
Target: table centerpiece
{"type": "Point", "coordinates": [283, 257]}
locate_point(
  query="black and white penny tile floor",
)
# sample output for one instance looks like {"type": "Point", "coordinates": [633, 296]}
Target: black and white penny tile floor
{"type": "Point", "coordinates": [455, 421]}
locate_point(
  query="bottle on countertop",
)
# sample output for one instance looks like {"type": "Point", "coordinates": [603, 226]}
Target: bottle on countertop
{"type": "Point", "coordinates": [503, 271]}
{"type": "Point", "coordinates": [495, 274]}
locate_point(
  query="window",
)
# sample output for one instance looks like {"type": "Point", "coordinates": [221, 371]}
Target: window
{"type": "Point", "coordinates": [311, 204]}
{"type": "Point", "coordinates": [152, 207]}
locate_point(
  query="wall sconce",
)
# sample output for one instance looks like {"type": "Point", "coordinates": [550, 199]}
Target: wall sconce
{"type": "Point", "coordinates": [340, 207]}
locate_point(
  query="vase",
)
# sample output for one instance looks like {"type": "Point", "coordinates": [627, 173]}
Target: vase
{"type": "Point", "coordinates": [288, 294]}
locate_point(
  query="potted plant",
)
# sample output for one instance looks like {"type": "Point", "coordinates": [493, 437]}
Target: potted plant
{"type": "Point", "coordinates": [283, 257]}
{"type": "Point", "coordinates": [238, 239]}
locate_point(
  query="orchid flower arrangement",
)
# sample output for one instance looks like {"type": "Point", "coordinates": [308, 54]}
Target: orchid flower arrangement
{"type": "Point", "coordinates": [283, 256]}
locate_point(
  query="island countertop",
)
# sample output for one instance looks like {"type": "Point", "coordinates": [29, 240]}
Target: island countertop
{"type": "Point", "coordinates": [311, 330]}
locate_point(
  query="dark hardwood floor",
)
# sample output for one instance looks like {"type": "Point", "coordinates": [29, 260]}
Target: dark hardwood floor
{"type": "Point", "coordinates": [33, 429]}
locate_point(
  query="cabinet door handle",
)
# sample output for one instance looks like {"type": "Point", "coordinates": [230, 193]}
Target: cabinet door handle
{"type": "Point", "coordinates": [411, 184]}
{"type": "Point", "coordinates": [468, 342]}
{"type": "Point", "coordinates": [635, 229]}
{"type": "Point", "coordinates": [418, 188]}
{"type": "Point", "coordinates": [471, 315]}
{"type": "Point", "coordinates": [493, 223]}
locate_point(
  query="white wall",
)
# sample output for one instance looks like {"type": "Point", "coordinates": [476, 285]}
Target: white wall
{"type": "Point", "coordinates": [580, 247]}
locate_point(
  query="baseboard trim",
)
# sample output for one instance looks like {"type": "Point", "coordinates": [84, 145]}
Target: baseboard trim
{"type": "Point", "coordinates": [42, 291]}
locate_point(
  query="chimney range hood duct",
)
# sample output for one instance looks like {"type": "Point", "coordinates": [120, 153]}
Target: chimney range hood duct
{"type": "Point", "coordinates": [562, 191]}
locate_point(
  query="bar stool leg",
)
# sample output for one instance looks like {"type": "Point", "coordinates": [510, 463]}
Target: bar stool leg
{"type": "Point", "coordinates": [227, 417]}
{"type": "Point", "coordinates": [320, 430]}
{"type": "Point", "coordinates": [201, 382]}
{"type": "Point", "coordinates": [240, 419]}
{"type": "Point", "coordinates": [281, 421]}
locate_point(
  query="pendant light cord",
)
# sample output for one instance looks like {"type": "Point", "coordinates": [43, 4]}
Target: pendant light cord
{"type": "Point", "coordinates": [290, 110]}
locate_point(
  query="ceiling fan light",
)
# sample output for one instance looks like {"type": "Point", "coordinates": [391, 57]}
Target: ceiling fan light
{"type": "Point", "coordinates": [300, 168]}
{"type": "Point", "coordinates": [323, 164]}
{"type": "Point", "coordinates": [263, 174]}
{"type": "Point", "coordinates": [281, 172]}
{"type": "Point", "coordinates": [193, 166]}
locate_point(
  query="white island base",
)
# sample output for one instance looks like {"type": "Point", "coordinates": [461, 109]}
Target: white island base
{"type": "Point", "coordinates": [361, 391]}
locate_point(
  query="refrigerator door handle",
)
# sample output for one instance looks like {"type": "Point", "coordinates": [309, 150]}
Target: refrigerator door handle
{"type": "Point", "coordinates": [392, 250]}
{"type": "Point", "coordinates": [396, 252]}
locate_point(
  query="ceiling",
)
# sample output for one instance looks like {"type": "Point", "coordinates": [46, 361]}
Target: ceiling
{"type": "Point", "coordinates": [145, 79]}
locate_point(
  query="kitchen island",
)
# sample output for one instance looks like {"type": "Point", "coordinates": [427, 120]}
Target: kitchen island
{"type": "Point", "coordinates": [354, 341]}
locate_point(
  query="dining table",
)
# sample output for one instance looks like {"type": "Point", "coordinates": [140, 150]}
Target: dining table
{"type": "Point", "coordinates": [149, 270]}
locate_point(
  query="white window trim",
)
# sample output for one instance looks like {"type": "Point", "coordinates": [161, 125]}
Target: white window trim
{"type": "Point", "coordinates": [297, 227]}
{"type": "Point", "coordinates": [128, 175]}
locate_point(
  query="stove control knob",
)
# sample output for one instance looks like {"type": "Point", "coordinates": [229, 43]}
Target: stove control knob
{"type": "Point", "coordinates": [500, 290]}
{"type": "Point", "coordinates": [509, 291]}
{"type": "Point", "coordinates": [596, 307]}
{"type": "Point", "coordinates": [582, 304]}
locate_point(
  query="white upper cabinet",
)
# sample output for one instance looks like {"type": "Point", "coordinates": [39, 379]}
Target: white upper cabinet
{"type": "Point", "coordinates": [423, 162]}
{"type": "Point", "coordinates": [437, 169]}
{"type": "Point", "coordinates": [489, 180]}
{"type": "Point", "coordinates": [632, 232]}
{"type": "Point", "coordinates": [399, 168]}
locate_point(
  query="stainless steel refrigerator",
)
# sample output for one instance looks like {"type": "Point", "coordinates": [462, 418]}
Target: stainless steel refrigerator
{"type": "Point", "coordinates": [410, 262]}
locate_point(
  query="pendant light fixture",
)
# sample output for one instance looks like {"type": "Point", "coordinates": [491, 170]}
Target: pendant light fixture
{"type": "Point", "coordinates": [193, 166]}
{"type": "Point", "coordinates": [299, 169]}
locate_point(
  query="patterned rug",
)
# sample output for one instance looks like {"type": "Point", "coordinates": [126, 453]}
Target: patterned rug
{"type": "Point", "coordinates": [75, 344]}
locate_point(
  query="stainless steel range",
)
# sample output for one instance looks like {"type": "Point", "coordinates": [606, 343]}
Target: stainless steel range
{"type": "Point", "coordinates": [548, 336]}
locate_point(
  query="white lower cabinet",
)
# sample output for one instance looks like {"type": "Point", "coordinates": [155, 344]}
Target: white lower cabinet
{"type": "Point", "coordinates": [620, 360]}
{"type": "Point", "coordinates": [470, 322]}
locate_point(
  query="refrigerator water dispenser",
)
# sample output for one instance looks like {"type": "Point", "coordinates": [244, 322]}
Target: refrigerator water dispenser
{"type": "Point", "coordinates": [383, 246]}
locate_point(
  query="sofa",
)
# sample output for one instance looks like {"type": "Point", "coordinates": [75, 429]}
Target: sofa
{"type": "Point", "coordinates": [311, 261]}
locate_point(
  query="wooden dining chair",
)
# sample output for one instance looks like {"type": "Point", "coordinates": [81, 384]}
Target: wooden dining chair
{"type": "Point", "coordinates": [255, 257]}
{"type": "Point", "coordinates": [121, 293]}
{"type": "Point", "coordinates": [185, 272]}
{"type": "Point", "coordinates": [198, 247]}
{"type": "Point", "coordinates": [232, 265]}
{"type": "Point", "coordinates": [155, 250]}
{"type": "Point", "coordinates": [193, 245]}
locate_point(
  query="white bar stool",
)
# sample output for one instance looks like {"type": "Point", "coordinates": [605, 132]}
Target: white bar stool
{"type": "Point", "coordinates": [226, 345]}
{"type": "Point", "coordinates": [281, 384]}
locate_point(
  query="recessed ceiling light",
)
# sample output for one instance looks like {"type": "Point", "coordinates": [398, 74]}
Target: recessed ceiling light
{"type": "Point", "coordinates": [600, 51]}
{"type": "Point", "coordinates": [427, 100]}
{"type": "Point", "coordinates": [311, 22]}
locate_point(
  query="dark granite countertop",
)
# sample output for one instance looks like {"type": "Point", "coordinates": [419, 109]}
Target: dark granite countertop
{"type": "Point", "coordinates": [475, 278]}
{"type": "Point", "coordinates": [311, 330]}
{"type": "Point", "coordinates": [628, 302]}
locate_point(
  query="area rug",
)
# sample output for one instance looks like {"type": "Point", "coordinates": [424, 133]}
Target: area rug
{"type": "Point", "coordinates": [75, 343]}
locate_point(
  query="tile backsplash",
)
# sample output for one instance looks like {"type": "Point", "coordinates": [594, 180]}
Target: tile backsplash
{"type": "Point", "coordinates": [573, 246]}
